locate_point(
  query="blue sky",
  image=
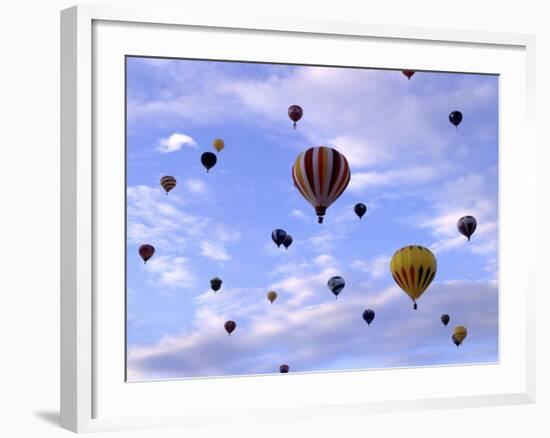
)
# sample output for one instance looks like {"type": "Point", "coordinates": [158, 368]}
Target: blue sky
{"type": "Point", "coordinates": [416, 173]}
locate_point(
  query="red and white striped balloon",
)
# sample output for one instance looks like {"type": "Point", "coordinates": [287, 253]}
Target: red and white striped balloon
{"type": "Point", "coordinates": [321, 174]}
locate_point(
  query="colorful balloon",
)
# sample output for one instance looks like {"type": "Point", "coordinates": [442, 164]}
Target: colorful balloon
{"type": "Point", "coordinates": [218, 144]}
{"type": "Point", "coordinates": [295, 113]}
{"type": "Point", "coordinates": [336, 284]}
{"type": "Point", "coordinates": [459, 334]}
{"type": "Point", "coordinates": [208, 160]}
{"type": "Point", "coordinates": [368, 316]}
{"type": "Point", "coordinates": [271, 296]}
{"type": "Point", "coordinates": [230, 326]}
{"type": "Point", "coordinates": [146, 251]}
{"type": "Point", "coordinates": [455, 118]}
{"type": "Point", "coordinates": [168, 183]}
{"type": "Point", "coordinates": [321, 174]}
{"type": "Point", "coordinates": [360, 209]}
{"type": "Point", "coordinates": [408, 73]}
{"type": "Point", "coordinates": [284, 368]}
{"type": "Point", "coordinates": [288, 241]}
{"type": "Point", "coordinates": [413, 268]}
{"type": "Point", "coordinates": [278, 236]}
{"type": "Point", "coordinates": [445, 319]}
{"type": "Point", "coordinates": [467, 225]}
{"type": "Point", "coordinates": [216, 284]}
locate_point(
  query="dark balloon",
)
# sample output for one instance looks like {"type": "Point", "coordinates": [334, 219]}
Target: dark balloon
{"type": "Point", "coordinates": [445, 319]}
{"type": "Point", "coordinates": [295, 113]}
{"type": "Point", "coordinates": [146, 252]}
{"type": "Point", "coordinates": [336, 284]}
{"type": "Point", "coordinates": [230, 326]}
{"type": "Point", "coordinates": [408, 73]}
{"type": "Point", "coordinates": [288, 241]}
{"type": "Point", "coordinates": [208, 160]}
{"type": "Point", "coordinates": [455, 118]}
{"type": "Point", "coordinates": [216, 284]}
{"type": "Point", "coordinates": [284, 368]}
{"type": "Point", "coordinates": [368, 316]}
{"type": "Point", "coordinates": [467, 225]}
{"type": "Point", "coordinates": [278, 237]}
{"type": "Point", "coordinates": [360, 209]}
{"type": "Point", "coordinates": [456, 341]}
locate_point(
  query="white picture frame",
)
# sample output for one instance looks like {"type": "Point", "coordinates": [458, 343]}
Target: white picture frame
{"type": "Point", "coordinates": [94, 396]}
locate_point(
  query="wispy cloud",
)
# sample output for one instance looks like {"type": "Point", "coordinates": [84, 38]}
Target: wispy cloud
{"type": "Point", "coordinates": [174, 143]}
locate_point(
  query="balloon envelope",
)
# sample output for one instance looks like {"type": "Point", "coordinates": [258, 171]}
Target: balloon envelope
{"type": "Point", "coordinates": [278, 236]}
{"type": "Point", "coordinates": [466, 225]}
{"type": "Point", "coordinates": [455, 118]}
{"type": "Point", "coordinates": [216, 284]}
{"type": "Point", "coordinates": [408, 73]}
{"type": "Point", "coordinates": [413, 268]}
{"type": "Point", "coordinates": [336, 284]}
{"type": "Point", "coordinates": [295, 112]}
{"type": "Point", "coordinates": [445, 319]}
{"type": "Point", "coordinates": [288, 241]}
{"type": "Point", "coordinates": [321, 174]}
{"type": "Point", "coordinates": [368, 316]}
{"type": "Point", "coordinates": [284, 368]}
{"type": "Point", "coordinates": [218, 144]}
{"type": "Point", "coordinates": [146, 251]}
{"type": "Point", "coordinates": [271, 296]}
{"type": "Point", "coordinates": [168, 183]}
{"type": "Point", "coordinates": [460, 333]}
{"type": "Point", "coordinates": [360, 209]}
{"type": "Point", "coordinates": [208, 160]}
{"type": "Point", "coordinates": [230, 326]}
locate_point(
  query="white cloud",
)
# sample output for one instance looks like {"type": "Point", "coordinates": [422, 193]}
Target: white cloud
{"type": "Point", "coordinates": [171, 271]}
{"type": "Point", "coordinates": [214, 251]}
{"type": "Point", "coordinates": [299, 214]}
{"type": "Point", "coordinates": [174, 143]}
{"type": "Point", "coordinates": [197, 186]}
{"type": "Point", "coordinates": [377, 267]}
{"type": "Point", "coordinates": [399, 177]}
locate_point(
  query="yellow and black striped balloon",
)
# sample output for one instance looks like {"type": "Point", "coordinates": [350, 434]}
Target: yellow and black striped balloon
{"type": "Point", "coordinates": [168, 183]}
{"type": "Point", "coordinates": [413, 268]}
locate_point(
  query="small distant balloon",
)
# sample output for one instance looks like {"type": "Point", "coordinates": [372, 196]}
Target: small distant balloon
{"type": "Point", "coordinates": [288, 241]}
{"type": "Point", "coordinates": [230, 326]}
{"type": "Point", "coordinates": [445, 319]}
{"type": "Point", "coordinates": [146, 251]}
{"type": "Point", "coordinates": [360, 209]}
{"type": "Point", "coordinates": [271, 296]}
{"type": "Point", "coordinates": [455, 118]}
{"type": "Point", "coordinates": [168, 183]}
{"type": "Point", "coordinates": [284, 368]}
{"type": "Point", "coordinates": [295, 112]}
{"type": "Point", "coordinates": [278, 236]}
{"type": "Point", "coordinates": [336, 284]}
{"type": "Point", "coordinates": [408, 73]}
{"type": "Point", "coordinates": [459, 334]}
{"type": "Point", "coordinates": [216, 284]}
{"type": "Point", "coordinates": [208, 160]}
{"type": "Point", "coordinates": [467, 225]}
{"type": "Point", "coordinates": [218, 144]}
{"type": "Point", "coordinates": [368, 316]}
{"type": "Point", "coordinates": [455, 341]}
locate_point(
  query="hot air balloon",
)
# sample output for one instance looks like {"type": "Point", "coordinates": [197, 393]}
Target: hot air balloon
{"type": "Point", "coordinates": [368, 316]}
{"type": "Point", "coordinates": [467, 225]}
{"type": "Point", "coordinates": [284, 368]}
{"type": "Point", "coordinates": [295, 113]}
{"type": "Point", "coordinates": [360, 209]}
{"type": "Point", "coordinates": [336, 284]}
{"type": "Point", "coordinates": [459, 334]}
{"type": "Point", "coordinates": [146, 252]}
{"type": "Point", "coordinates": [168, 183]}
{"type": "Point", "coordinates": [218, 144]}
{"type": "Point", "coordinates": [288, 241]}
{"type": "Point", "coordinates": [230, 326]}
{"type": "Point", "coordinates": [216, 284]}
{"type": "Point", "coordinates": [408, 73]}
{"type": "Point", "coordinates": [445, 319]}
{"type": "Point", "coordinates": [455, 340]}
{"type": "Point", "coordinates": [208, 160]}
{"type": "Point", "coordinates": [278, 236]}
{"type": "Point", "coordinates": [271, 296]}
{"type": "Point", "coordinates": [413, 268]}
{"type": "Point", "coordinates": [321, 174]}
{"type": "Point", "coordinates": [455, 118]}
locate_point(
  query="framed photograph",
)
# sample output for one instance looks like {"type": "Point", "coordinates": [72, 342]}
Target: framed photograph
{"type": "Point", "coordinates": [266, 218]}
